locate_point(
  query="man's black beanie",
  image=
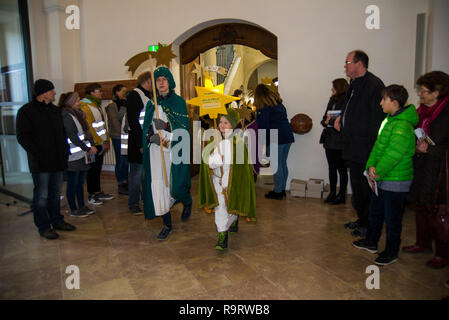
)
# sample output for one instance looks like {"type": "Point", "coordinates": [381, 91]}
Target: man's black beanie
{"type": "Point", "coordinates": [41, 86]}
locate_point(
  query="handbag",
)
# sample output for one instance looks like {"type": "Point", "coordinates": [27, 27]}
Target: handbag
{"type": "Point", "coordinates": [439, 216]}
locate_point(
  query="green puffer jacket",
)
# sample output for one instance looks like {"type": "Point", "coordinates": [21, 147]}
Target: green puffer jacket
{"type": "Point", "coordinates": [395, 146]}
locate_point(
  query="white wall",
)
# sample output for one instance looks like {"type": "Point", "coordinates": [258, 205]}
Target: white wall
{"type": "Point", "coordinates": [313, 40]}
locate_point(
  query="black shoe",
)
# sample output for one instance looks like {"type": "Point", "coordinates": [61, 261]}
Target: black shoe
{"type": "Point", "coordinates": [339, 199]}
{"type": "Point", "coordinates": [186, 212]}
{"type": "Point", "coordinates": [362, 244]}
{"type": "Point", "coordinates": [331, 197]}
{"type": "Point", "coordinates": [165, 232]}
{"type": "Point", "coordinates": [274, 195]}
{"type": "Point", "coordinates": [64, 226]}
{"type": "Point", "coordinates": [360, 232]}
{"type": "Point", "coordinates": [136, 211]}
{"type": "Point", "coordinates": [122, 189]}
{"type": "Point", "coordinates": [49, 234]}
{"type": "Point", "coordinates": [234, 228]}
{"type": "Point", "coordinates": [222, 243]}
{"type": "Point", "coordinates": [352, 225]}
{"type": "Point", "coordinates": [384, 259]}
{"type": "Point", "coordinates": [103, 196]}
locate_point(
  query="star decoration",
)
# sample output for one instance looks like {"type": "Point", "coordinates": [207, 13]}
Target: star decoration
{"type": "Point", "coordinates": [199, 69]}
{"type": "Point", "coordinates": [164, 55]}
{"type": "Point", "coordinates": [211, 102]}
{"type": "Point", "coordinates": [245, 113]}
{"type": "Point", "coordinates": [134, 62]}
{"type": "Point", "coordinates": [208, 84]}
{"type": "Point", "coordinates": [267, 80]}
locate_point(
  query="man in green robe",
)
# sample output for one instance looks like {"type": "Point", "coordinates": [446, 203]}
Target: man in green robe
{"type": "Point", "coordinates": [226, 179]}
{"type": "Point", "coordinates": [174, 127]}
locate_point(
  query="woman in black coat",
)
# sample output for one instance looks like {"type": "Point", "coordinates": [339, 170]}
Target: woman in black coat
{"type": "Point", "coordinates": [332, 141]}
{"type": "Point", "coordinates": [433, 92]}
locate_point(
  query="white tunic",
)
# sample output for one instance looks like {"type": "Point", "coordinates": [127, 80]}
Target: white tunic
{"type": "Point", "coordinates": [222, 164]}
{"type": "Point", "coordinates": [162, 198]}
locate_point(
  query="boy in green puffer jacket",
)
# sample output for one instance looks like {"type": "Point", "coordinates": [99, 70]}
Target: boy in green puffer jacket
{"type": "Point", "coordinates": [390, 165]}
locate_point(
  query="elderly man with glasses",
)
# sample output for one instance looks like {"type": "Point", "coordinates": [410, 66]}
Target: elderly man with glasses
{"type": "Point", "coordinates": [360, 124]}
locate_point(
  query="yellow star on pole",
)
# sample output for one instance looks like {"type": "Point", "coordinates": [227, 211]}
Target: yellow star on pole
{"type": "Point", "coordinates": [164, 55]}
{"type": "Point", "coordinates": [211, 102]}
{"type": "Point", "coordinates": [208, 84]}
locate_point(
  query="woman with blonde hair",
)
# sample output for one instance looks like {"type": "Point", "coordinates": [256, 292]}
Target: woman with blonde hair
{"type": "Point", "coordinates": [272, 115]}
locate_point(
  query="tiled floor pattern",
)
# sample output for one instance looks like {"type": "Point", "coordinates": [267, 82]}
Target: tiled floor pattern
{"type": "Point", "coordinates": [298, 249]}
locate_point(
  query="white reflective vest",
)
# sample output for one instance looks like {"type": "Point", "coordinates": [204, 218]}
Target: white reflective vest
{"type": "Point", "coordinates": [76, 152]}
{"type": "Point", "coordinates": [98, 125]}
{"type": "Point", "coordinates": [145, 100]}
{"type": "Point", "coordinates": [124, 138]}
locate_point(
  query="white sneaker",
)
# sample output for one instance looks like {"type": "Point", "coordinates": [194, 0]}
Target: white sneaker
{"type": "Point", "coordinates": [94, 201]}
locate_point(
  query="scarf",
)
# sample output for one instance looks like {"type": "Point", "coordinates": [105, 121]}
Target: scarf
{"type": "Point", "coordinates": [119, 102]}
{"type": "Point", "coordinates": [96, 101]}
{"type": "Point", "coordinates": [428, 114]}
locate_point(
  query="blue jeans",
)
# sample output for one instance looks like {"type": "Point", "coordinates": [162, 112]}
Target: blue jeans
{"type": "Point", "coordinates": [121, 163]}
{"type": "Point", "coordinates": [135, 181]}
{"type": "Point", "coordinates": [46, 199]}
{"type": "Point", "coordinates": [388, 206]}
{"type": "Point", "coordinates": [281, 175]}
{"type": "Point", "coordinates": [75, 188]}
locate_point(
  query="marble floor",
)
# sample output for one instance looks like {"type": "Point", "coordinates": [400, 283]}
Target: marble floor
{"type": "Point", "coordinates": [298, 249]}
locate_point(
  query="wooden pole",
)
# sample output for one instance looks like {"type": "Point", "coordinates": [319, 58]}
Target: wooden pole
{"type": "Point", "coordinates": [156, 110]}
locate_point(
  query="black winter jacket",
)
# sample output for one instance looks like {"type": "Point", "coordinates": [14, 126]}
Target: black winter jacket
{"type": "Point", "coordinates": [40, 131]}
{"type": "Point", "coordinates": [362, 117]}
{"type": "Point", "coordinates": [426, 166]}
{"type": "Point", "coordinates": [134, 106]}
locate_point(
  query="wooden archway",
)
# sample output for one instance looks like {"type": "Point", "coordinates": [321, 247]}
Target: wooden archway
{"type": "Point", "coordinates": [210, 37]}
{"type": "Point", "coordinates": [221, 34]}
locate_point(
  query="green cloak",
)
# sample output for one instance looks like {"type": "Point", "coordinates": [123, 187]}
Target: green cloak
{"type": "Point", "coordinates": [241, 193]}
{"type": "Point", "coordinates": [175, 108]}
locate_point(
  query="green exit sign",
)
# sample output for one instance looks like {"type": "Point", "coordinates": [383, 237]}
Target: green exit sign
{"type": "Point", "coordinates": [154, 48]}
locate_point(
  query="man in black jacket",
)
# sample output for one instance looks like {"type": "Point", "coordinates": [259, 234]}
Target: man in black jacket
{"type": "Point", "coordinates": [360, 124]}
{"type": "Point", "coordinates": [40, 131]}
{"type": "Point", "coordinates": [135, 107]}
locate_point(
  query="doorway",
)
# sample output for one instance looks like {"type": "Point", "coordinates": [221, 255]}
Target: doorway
{"type": "Point", "coordinates": [246, 51]}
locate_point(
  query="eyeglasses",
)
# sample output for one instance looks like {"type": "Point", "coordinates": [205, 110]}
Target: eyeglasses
{"type": "Point", "coordinates": [348, 62]}
{"type": "Point", "coordinates": [421, 90]}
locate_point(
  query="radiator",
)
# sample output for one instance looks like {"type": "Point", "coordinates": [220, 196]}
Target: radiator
{"type": "Point", "coordinates": [109, 157]}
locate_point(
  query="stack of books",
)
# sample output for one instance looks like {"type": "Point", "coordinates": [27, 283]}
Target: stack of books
{"type": "Point", "coordinates": [265, 179]}
{"type": "Point", "coordinates": [315, 188]}
{"type": "Point", "coordinates": [298, 188]}
{"type": "Point", "coordinates": [326, 191]}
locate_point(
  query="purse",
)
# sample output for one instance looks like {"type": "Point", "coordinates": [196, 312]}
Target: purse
{"type": "Point", "coordinates": [439, 217]}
